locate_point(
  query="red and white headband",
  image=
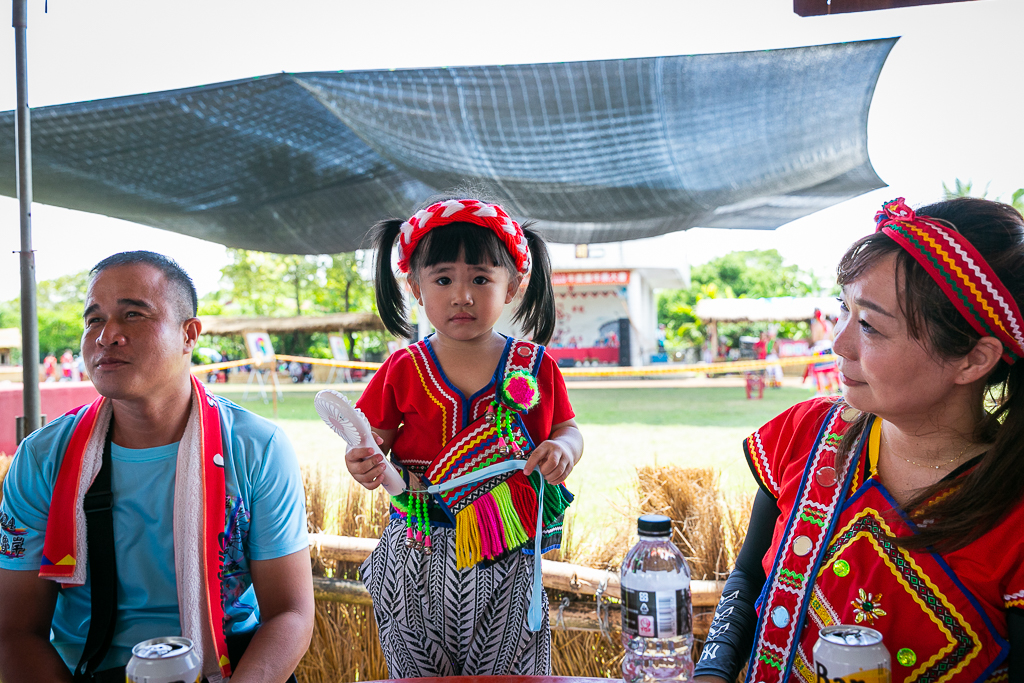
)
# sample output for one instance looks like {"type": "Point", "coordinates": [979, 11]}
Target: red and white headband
{"type": "Point", "coordinates": [490, 216]}
{"type": "Point", "coordinates": [960, 270]}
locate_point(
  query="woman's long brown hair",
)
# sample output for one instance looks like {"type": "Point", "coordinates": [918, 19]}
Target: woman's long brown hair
{"type": "Point", "coordinates": [996, 483]}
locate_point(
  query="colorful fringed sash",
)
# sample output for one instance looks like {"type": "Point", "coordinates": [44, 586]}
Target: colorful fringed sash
{"type": "Point", "coordinates": [495, 515]}
{"type": "Point", "coordinates": [476, 432]}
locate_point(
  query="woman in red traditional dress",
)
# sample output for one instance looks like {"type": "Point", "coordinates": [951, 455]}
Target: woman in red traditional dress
{"type": "Point", "coordinates": [453, 575]}
{"type": "Point", "coordinates": [900, 506]}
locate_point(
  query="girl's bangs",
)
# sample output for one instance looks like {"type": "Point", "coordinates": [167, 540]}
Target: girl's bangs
{"type": "Point", "coordinates": [478, 245]}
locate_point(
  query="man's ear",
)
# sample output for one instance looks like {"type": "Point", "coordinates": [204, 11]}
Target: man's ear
{"type": "Point", "coordinates": [980, 360]}
{"type": "Point", "coordinates": [192, 329]}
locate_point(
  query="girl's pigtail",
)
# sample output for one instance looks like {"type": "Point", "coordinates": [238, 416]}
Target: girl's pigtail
{"type": "Point", "coordinates": [536, 313]}
{"type": "Point", "coordinates": [390, 298]}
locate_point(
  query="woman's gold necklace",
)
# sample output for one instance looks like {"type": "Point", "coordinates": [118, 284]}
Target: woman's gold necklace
{"type": "Point", "coordinates": [918, 464]}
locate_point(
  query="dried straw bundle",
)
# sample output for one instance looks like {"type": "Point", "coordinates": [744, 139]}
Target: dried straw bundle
{"type": "Point", "coordinates": [345, 646]}
{"type": "Point", "coordinates": [708, 529]}
{"type": "Point", "coordinates": [586, 654]}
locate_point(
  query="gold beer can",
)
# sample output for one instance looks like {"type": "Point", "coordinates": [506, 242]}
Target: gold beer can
{"type": "Point", "coordinates": [851, 654]}
{"type": "Point", "coordinates": [170, 659]}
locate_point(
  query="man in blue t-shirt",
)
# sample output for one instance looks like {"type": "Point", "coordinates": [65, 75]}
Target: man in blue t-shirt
{"type": "Point", "coordinates": [140, 330]}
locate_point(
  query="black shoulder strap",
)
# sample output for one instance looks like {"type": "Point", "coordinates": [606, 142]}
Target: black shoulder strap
{"type": "Point", "coordinates": [102, 568]}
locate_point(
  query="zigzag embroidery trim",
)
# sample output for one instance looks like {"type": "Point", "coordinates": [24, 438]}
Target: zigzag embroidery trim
{"type": "Point", "coordinates": [1019, 595]}
{"type": "Point", "coordinates": [786, 550]}
{"type": "Point", "coordinates": [992, 317]}
{"type": "Point", "coordinates": [425, 361]}
{"type": "Point", "coordinates": [763, 457]}
{"type": "Point", "coordinates": [988, 284]}
{"type": "Point", "coordinates": [465, 444]}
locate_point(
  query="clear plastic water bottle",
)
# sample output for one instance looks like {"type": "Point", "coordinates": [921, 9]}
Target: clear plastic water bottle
{"type": "Point", "coordinates": [657, 616]}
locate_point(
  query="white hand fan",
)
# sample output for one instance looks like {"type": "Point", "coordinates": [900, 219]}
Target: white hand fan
{"type": "Point", "coordinates": [349, 423]}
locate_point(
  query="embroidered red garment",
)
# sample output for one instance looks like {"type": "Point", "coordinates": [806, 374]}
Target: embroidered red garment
{"type": "Point", "coordinates": [410, 393]}
{"type": "Point", "coordinates": [943, 618]}
{"type": "Point", "coordinates": [60, 546]}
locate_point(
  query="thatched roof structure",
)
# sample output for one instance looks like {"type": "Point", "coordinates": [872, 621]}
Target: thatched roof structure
{"type": "Point", "coordinates": [761, 310]}
{"type": "Point", "coordinates": [333, 322]}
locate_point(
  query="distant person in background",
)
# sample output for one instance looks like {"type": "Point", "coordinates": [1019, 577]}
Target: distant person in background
{"type": "Point", "coordinates": [50, 372]}
{"type": "Point", "coordinates": [67, 361]}
{"type": "Point", "coordinates": [774, 370]}
{"type": "Point", "coordinates": [821, 328]}
{"type": "Point", "coordinates": [761, 346]}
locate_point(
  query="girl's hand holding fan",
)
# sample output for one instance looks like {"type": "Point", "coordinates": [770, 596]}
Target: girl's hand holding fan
{"type": "Point", "coordinates": [350, 424]}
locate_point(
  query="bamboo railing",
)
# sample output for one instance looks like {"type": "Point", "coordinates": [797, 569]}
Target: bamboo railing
{"type": "Point", "coordinates": [580, 613]}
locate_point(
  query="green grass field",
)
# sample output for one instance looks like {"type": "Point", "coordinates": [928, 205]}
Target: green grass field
{"type": "Point", "coordinates": [622, 429]}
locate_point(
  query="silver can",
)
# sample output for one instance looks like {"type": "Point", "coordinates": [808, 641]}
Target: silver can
{"type": "Point", "coordinates": [853, 654]}
{"type": "Point", "coordinates": [170, 659]}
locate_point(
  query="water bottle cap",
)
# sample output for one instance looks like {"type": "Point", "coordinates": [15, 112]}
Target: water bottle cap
{"type": "Point", "coordinates": [654, 525]}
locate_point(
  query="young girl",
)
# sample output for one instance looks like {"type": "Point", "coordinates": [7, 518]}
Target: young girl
{"type": "Point", "coordinates": [451, 577]}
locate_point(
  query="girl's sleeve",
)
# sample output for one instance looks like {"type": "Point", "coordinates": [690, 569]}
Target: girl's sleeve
{"type": "Point", "coordinates": [772, 448]}
{"type": "Point", "coordinates": [551, 377]}
{"type": "Point", "coordinates": [379, 401]}
{"type": "Point", "coordinates": [554, 407]}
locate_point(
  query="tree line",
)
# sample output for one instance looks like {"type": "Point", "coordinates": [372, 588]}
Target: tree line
{"type": "Point", "coordinates": [252, 284]}
{"type": "Point", "coordinates": [263, 284]}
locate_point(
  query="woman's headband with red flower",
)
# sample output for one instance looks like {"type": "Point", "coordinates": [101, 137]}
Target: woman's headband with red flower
{"type": "Point", "coordinates": [962, 273]}
{"type": "Point", "coordinates": [490, 216]}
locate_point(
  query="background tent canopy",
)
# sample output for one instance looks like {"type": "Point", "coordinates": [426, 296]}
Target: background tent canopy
{"type": "Point", "coordinates": [597, 151]}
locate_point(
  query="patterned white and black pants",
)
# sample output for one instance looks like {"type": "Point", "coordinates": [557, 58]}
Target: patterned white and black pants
{"type": "Point", "coordinates": [436, 620]}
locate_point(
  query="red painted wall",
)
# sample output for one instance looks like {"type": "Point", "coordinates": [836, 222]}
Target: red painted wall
{"type": "Point", "coordinates": [56, 398]}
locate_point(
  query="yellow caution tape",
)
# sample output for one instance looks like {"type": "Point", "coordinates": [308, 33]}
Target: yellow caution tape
{"type": "Point", "coordinates": [660, 369]}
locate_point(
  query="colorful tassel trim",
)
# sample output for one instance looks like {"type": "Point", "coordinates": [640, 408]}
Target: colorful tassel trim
{"type": "Point", "coordinates": [503, 519]}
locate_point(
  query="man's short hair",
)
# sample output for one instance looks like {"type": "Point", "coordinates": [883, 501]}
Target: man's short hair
{"type": "Point", "coordinates": [188, 302]}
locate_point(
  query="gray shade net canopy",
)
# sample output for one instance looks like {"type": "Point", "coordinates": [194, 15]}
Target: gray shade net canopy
{"type": "Point", "coordinates": [594, 151]}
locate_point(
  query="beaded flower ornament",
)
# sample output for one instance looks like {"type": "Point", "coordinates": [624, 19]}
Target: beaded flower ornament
{"type": "Point", "coordinates": [517, 394]}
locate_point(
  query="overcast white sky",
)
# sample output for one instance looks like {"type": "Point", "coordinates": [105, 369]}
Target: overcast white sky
{"type": "Point", "coordinates": [947, 105]}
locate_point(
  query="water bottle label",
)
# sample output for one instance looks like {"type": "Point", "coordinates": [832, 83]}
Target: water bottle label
{"type": "Point", "coordinates": [656, 614]}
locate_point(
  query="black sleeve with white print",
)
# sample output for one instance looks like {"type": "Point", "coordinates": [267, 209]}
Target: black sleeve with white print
{"type": "Point", "coordinates": [731, 634]}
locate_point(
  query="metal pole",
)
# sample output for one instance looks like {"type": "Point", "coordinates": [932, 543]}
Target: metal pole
{"type": "Point", "coordinates": [29, 321]}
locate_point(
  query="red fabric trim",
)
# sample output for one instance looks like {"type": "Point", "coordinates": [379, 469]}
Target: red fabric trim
{"type": "Point", "coordinates": [61, 540]}
{"type": "Point", "coordinates": [214, 517]}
